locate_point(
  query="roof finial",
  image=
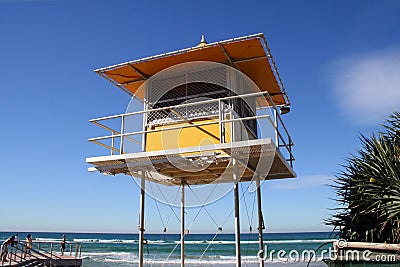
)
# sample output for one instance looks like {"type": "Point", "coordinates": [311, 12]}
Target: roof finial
{"type": "Point", "coordinates": [203, 41]}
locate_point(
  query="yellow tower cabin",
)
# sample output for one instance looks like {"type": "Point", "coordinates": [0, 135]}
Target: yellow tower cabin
{"type": "Point", "coordinates": [211, 114]}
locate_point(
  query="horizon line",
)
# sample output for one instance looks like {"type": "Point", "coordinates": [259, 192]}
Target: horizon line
{"type": "Point", "coordinates": [156, 233]}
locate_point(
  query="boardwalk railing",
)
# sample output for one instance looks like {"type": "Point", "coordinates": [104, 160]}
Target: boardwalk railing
{"type": "Point", "coordinates": [42, 253]}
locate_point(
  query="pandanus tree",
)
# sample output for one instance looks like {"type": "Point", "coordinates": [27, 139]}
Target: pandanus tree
{"type": "Point", "coordinates": [368, 189]}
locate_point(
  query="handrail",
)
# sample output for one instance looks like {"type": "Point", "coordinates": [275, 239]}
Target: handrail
{"type": "Point", "coordinates": [78, 247]}
{"type": "Point", "coordinates": [37, 251]}
{"type": "Point", "coordinates": [13, 255]}
{"type": "Point", "coordinates": [180, 106]}
{"type": "Point", "coordinates": [284, 139]}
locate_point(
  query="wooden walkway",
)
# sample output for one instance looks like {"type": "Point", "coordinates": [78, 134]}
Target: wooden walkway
{"type": "Point", "coordinates": [43, 259]}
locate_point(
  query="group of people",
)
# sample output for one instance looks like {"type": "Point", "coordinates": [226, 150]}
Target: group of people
{"type": "Point", "coordinates": [13, 241]}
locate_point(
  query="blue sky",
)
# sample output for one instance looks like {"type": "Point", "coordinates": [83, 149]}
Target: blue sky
{"type": "Point", "coordinates": [339, 61]}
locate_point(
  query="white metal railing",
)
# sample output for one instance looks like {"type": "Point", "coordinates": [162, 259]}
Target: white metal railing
{"type": "Point", "coordinates": [117, 139]}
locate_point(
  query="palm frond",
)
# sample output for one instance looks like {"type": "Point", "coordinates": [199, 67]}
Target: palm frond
{"type": "Point", "coordinates": [368, 188]}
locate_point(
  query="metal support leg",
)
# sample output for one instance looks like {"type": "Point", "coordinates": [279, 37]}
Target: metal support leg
{"type": "Point", "coordinates": [183, 225]}
{"type": "Point", "coordinates": [141, 217]}
{"type": "Point", "coordinates": [260, 223]}
{"type": "Point", "coordinates": [237, 219]}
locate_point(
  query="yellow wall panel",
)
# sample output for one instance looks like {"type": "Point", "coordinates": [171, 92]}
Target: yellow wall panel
{"type": "Point", "coordinates": [198, 135]}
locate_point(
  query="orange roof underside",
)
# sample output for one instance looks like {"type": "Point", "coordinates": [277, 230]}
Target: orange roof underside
{"type": "Point", "coordinates": [132, 75]}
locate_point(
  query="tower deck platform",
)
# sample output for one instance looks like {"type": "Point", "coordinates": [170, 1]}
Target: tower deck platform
{"type": "Point", "coordinates": [201, 165]}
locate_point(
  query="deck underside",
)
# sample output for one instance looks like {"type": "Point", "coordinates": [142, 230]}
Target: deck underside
{"type": "Point", "coordinates": [201, 165]}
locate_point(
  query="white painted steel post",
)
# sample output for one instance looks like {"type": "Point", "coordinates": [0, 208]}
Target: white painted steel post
{"type": "Point", "coordinates": [145, 104]}
{"type": "Point", "coordinates": [112, 143]}
{"type": "Point", "coordinates": [221, 117]}
{"type": "Point", "coordinates": [121, 148]}
{"type": "Point", "coordinates": [141, 218]}
{"type": "Point", "coordinates": [237, 219]}
{"type": "Point", "coordinates": [276, 127]}
{"type": "Point", "coordinates": [183, 225]}
{"type": "Point", "coordinates": [260, 222]}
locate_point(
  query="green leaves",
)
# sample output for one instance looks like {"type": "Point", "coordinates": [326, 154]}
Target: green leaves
{"type": "Point", "coordinates": [368, 189]}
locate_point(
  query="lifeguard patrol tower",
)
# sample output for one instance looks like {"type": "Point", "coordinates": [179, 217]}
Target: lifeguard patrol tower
{"type": "Point", "coordinates": [202, 122]}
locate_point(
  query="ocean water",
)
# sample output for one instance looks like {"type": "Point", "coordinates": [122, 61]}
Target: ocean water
{"type": "Point", "coordinates": [121, 250]}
